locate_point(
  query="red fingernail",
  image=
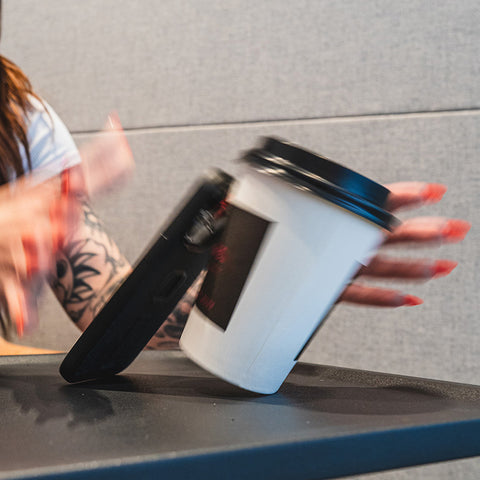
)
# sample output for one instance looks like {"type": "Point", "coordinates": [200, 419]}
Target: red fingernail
{"type": "Point", "coordinates": [456, 230]}
{"type": "Point", "coordinates": [31, 256]}
{"type": "Point", "coordinates": [65, 184]}
{"type": "Point", "coordinates": [58, 239]}
{"type": "Point", "coordinates": [410, 301]}
{"type": "Point", "coordinates": [54, 214]}
{"type": "Point", "coordinates": [28, 264]}
{"type": "Point", "coordinates": [441, 268]}
{"type": "Point", "coordinates": [20, 323]}
{"type": "Point", "coordinates": [433, 192]}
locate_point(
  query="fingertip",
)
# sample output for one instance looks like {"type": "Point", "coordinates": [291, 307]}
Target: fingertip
{"type": "Point", "coordinates": [442, 268]}
{"type": "Point", "coordinates": [411, 301]}
{"type": "Point", "coordinates": [433, 192]}
{"type": "Point", "coordinates": [65, 184]}
{"type": "Point", "coordinates": [456, 230]}
{"type": "Point", "coordinates": [113, 121]}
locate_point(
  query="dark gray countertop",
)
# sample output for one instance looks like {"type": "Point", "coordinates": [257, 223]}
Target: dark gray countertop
{"type": "Point", "coordinates": [165, 416]}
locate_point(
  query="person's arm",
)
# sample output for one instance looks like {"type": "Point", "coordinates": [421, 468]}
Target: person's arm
{"type": "Point", "coordinates": [168, 335]}
{"type": "Point", "coordinates": [89, 268]}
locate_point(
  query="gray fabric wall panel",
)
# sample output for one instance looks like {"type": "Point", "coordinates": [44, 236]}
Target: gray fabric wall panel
{"type": "Point", "coordinates": [457, 470]}
{"type": "Point", "coordinates": [177, 62]}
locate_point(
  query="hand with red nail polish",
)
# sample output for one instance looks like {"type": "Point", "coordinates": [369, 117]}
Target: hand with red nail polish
{"type": "Point", "coordinates": [29, 240]}
{"type": "Point", "coordinates": [418, 231]}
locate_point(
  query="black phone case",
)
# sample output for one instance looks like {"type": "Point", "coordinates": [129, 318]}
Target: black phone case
{"type": "Point", "coordinates": [145, 299]}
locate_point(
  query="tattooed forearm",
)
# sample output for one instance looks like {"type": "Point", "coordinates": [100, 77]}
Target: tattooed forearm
{"type": "Point", "coordinates": [169, 333]}
{"type": "Point", "coordinates": [91, 221]}
{"type": "Point", "coordinates": [89, 270]}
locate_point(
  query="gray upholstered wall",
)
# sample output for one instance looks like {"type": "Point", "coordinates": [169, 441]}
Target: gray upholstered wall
{"type": "Point", "coordinates": [390, 88]}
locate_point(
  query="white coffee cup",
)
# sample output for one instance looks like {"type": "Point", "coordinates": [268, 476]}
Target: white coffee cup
{"type": "Point", "coordinates": [293, 241]}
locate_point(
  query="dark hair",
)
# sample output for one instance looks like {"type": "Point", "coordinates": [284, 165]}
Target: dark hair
{"type": "Point", "coordinates": [15, 94]}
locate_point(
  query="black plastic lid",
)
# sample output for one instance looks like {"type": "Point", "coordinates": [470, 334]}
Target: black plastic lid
{"type": "Point", "coordinates": [323, 177]}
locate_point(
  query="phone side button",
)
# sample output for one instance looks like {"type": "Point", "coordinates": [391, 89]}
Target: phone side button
{"type": "Point", "coordinates": [168, 286]}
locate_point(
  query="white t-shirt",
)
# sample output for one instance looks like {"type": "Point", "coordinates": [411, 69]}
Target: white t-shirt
{"type": "Point", "coordinates": [51, 146]}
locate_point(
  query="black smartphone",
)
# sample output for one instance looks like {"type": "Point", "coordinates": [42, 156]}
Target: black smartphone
{"type": "Point", "coordinates": [159, 280]}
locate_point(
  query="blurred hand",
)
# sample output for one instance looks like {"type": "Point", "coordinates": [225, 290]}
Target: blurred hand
{"type": "Point", "coordinates": [415, 231]}
{"type": "Point", "coordinates": [107, 161]}
{"type": "Point", "coordinates": [33, 224]}
{"type": "Point", "coordinates": [35, 219]}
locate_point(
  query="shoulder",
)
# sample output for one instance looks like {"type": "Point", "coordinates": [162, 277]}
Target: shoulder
{"type": "Point", "coordinates": [51, 146]}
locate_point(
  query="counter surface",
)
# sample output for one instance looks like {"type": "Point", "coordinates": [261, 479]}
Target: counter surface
{"type": "Point", "coordinates": [166, 416]}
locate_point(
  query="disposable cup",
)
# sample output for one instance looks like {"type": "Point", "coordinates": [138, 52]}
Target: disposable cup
{"type": "Point", "coordinates": [299, 227]}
